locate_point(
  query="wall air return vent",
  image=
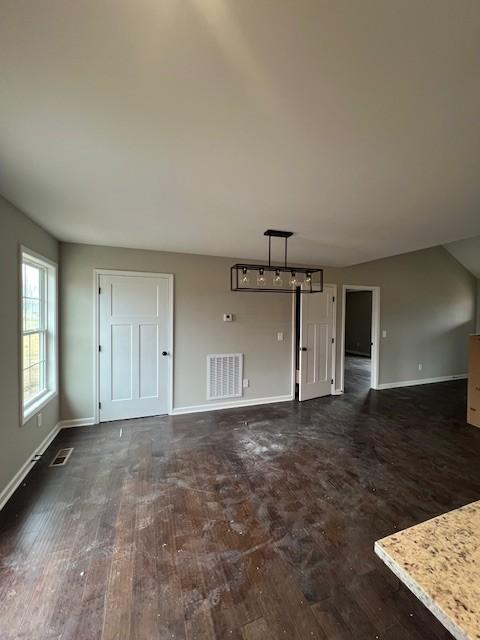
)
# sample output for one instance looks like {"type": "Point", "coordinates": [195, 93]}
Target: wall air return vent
{"type": "Point", "coordinates": [224, 375]}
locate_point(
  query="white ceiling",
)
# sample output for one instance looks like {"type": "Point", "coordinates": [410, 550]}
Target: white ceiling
{"type": "Point", "coordinates": [468, 253]}
{"type": "Point", "coordinates": [194, 125]}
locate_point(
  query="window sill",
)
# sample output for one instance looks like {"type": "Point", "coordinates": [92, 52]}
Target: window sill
{"type": "Point", "coordinates": [34, 408]}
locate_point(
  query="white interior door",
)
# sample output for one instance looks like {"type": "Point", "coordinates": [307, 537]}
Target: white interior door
{"type": "Point", "coordinates": [135, 343]}
{"type": "Point", "coordinates": [316, 352]}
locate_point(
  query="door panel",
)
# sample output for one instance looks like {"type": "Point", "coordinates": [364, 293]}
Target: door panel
{"type": "Point", "coordinates": [148, 360]}
{"type": "Point", "coordinates": [121, 361]}
{"type": "Point", "coordinates": [316, 353]}
{"type": "Point", "coordinates": [134, 328]}
{"type": "Point", "coordinates": [134, 297]}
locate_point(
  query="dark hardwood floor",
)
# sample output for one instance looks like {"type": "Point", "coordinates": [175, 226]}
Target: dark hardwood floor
{"type": "Point", "coordinates": [247, 524]}
{"type": "Point", "coordinates": [357, 374]}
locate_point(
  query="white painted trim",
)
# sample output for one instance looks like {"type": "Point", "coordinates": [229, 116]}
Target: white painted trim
{"type": "Point", "coordinates": [37, 406]}
{"type": "Point", "coordinates": [294, 337]}
{"type": "Point", "coordinates": [96, 330]}
{"type": "Point", "coordinates": [27, 414]}
{"type": "Point", "coordinates": [334, 335]}
{"type": "Point", "coordinates": [200, 408]}
{"type": "Point", "coordinates": [375, 355]}
{"type": "Point", "coordinates": [18, 478]}
{"type": "Point", "coordinates": [413, 383]}
{"type": "Point", "coordinates": [77, 422]}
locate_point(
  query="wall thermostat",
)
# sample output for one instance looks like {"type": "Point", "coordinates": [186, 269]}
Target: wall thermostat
{"type": "Point", "coordinates": [228, 317]}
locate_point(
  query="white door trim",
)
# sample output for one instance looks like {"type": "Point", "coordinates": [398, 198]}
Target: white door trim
{"type": "Point", "coordinates": [334, 334]}
{"type": "Point", "coordinates": [96, 331]}
{"type": "Point", "coordinates": [375, 369]}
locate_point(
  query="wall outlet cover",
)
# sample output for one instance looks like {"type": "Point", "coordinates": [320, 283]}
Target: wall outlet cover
{"type": "Point", "coordinates": [246, 383]}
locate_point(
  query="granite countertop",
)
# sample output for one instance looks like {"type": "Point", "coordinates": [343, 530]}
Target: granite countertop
{"type": "Point", "coordinates": [439, 561]}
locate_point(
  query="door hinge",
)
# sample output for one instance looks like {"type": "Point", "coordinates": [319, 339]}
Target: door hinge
{"type": "Point", "coordinates": [333, 340]}
{"type": "Point", "coordinates": [333, 299]}
{"type": "Point", "coordinates": [99, 347]}
{"type": "Point", "coordinates": [99, 290]}
{"type": "Point", "coordinates": [331, 381]}
{"type": "Point", "coordinates": [99, 405]}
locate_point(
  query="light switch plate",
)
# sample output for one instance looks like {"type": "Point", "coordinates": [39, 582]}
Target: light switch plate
{"type": "Point", "coordinates": [246, 383]}
{"type": "Point", "coordinates": [280, 336]}
{"type": "Point", "coordinates": [384, 333]}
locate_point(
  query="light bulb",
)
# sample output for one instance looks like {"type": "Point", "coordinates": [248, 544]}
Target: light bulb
{"type": "Point", "coordinates": [308, 278]}
{"type": "Point", "coordinates": [245, 280]}
{"type": "Point", "coordinates": [293, 279]}
{"type": "Point", "coordinates": [277, 279]}
{"type": "Point", "coordinates": [261, 278]}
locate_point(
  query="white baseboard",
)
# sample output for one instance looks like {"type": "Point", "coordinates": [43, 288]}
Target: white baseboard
{"type": "Point", "coordinates": [413, 383]}
{"type": "Point", "coordinates": [178, 411]}
{"type": "Point", "coordinates": [18, 478]}
{"type": "Point", "coordinates": [78, 422]}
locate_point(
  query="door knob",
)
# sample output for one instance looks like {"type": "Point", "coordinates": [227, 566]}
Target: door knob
{"type": "Point", "coordinates": [303, 348]}
{"type": "Point", "coordinates": [164, 353]}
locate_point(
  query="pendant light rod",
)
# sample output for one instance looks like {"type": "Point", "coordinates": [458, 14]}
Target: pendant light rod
{"type": "Point", "coordinates": [276, 233]}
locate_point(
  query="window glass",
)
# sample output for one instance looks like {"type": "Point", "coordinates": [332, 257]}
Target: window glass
{"type": "Point", "coordinates": [38, 339]}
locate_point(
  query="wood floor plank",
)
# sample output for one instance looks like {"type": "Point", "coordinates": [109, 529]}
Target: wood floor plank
{"type": "Point", "coordinates": [256, 630]}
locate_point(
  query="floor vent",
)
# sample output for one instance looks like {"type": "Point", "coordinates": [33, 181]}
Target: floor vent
{"type": "Point", "coordinates": [61, 458]}
{"type": "Point", "coordinates": [224, 375]}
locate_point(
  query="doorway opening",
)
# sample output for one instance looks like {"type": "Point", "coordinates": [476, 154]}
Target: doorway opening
{"type": "Point", "coordinates": [360, 338]}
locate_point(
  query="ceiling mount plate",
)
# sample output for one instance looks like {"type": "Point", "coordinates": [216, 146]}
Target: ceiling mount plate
{"type": "Point", "coordinates": [278, 234]}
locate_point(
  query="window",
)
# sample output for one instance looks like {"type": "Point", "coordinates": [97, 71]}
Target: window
{"type": "Point", "coordinates": [38, 321]}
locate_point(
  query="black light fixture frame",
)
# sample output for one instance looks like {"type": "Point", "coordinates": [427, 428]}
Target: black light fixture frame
{"type": "Point", "coordinates": [240, 268]}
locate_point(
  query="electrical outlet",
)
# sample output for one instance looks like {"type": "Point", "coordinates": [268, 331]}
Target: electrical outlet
{"type": "Point", "coordinates": [39, 419]}
{"type": "Point", "coordinates": [246, 383]}
{"type": "Point", "coordinates": [420, 366]}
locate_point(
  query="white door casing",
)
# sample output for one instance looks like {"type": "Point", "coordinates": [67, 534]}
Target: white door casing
{"type": "Point", "coordinates": [316, 345]}
{"type": "Point", "coordinates": [134, 333]}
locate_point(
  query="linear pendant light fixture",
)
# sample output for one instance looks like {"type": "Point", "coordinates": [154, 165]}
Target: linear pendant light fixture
{"type": "Point", "coordinates": [281, 279]}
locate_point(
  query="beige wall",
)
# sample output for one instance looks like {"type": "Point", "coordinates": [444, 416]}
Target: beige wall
{"type": "Point", "coordinates": [358, 322]}
{"type": "Point", "coordinates": [427, 308]}
{"type": "Point", "coordinates": [202, 295]}
{"type": "Point", "coordinates": [17, 442]}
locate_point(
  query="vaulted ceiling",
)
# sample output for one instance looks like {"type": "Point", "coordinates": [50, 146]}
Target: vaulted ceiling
{"type": "Point", "coordinates": [194, 125]}
{"type": "Point", "coordinates": [467, 252]}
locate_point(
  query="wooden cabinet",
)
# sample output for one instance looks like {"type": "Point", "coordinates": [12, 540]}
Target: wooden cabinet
{"type": "Point", "coordinates": [473, 402]}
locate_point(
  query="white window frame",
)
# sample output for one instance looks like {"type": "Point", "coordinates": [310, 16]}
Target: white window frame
{"type": "Point", "coordinates": [50, 328]}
